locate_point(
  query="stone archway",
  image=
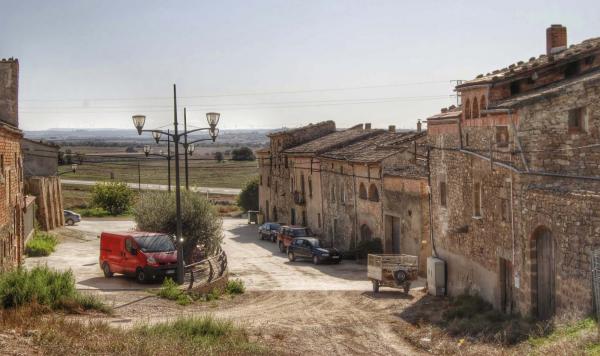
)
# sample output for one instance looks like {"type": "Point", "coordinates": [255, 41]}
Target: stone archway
{"type": "Point", "coordinates": [543, 273]}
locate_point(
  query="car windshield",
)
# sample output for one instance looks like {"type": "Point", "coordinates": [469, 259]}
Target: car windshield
{"type": "Point", "coordinates": [300, 232]}
{"type": "Point", "coordinates": [155, 243]}
{"type": "Point", "coordinates": [274, 226]}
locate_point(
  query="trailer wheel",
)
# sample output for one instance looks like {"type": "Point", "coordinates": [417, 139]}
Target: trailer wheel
{"type": "Point", "coordinates": [375, 286]}
{"type": "Point", "coordinates": [281, 247]}
{"type": "Point", "coordinates": [291, 256]}
{"type": "Point", "coordinates": [406, 287]}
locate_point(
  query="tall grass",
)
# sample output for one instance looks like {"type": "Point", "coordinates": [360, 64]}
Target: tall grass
{"type": "Point", "coordinates": [45, 287]}
{"type": "Point", "coordinates": [41, 244]}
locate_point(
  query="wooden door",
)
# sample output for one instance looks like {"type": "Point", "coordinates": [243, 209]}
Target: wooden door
{"type": "Point", "coordinates": [506, 277]}
{"type": "Point", "coordinates": [396, 235]}
{"type": "Point", "coordinates": [545, 274]}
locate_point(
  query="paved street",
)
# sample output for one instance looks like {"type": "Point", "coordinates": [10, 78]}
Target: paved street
{"type": "Point", "coordinates": [259, 263]}
{"type": "Point", "coordinates": [143, 186]}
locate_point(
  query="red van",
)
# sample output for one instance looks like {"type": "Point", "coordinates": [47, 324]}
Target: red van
{"type": "Point", "coordinates": [145, 255]}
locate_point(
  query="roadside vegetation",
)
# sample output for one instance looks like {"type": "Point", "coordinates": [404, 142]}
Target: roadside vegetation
{"type": "Point", "coordinates": [114, 197]}
{"type": "Point", "coordinates": [41, 244]}
{"type": "Point", "coordinates": [202, 225]}
{"type": "Point", "coordinates": [46, 288]}
{"type": "Point", "coordinates": [468, 325]}
{"type": "Point", "coordinates": [171, 290]}
{"type": "Point", "coordinates": [248, 197]}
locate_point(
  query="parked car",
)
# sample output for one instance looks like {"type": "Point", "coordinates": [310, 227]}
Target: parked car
{"type": "Point", "coordinates": [311, 248]}
{"type": "Point", "coordinates": [287, 233]}
{"type": "Point", "coordinates": [268, 231]}
{"type": "Point", "coordinates": [71, 217]}
{"type": "Point", "coordinates": [145, 255]}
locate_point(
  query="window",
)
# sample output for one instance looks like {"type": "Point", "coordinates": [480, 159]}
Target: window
{"type": "Point", "coordinates": [319, 219]}
{"type": "Point", "coordinates": [309, 186]}
{"type": "Point", "coordinates": [275, 213]}
{"type": "Point", "coordinates": [332, 196]}
{"type": "Point", "coordinates": [475, 111]}
{"type": "Point", "coordinates": [443, 194]}
{"type": "Point", "coordinates": [365, 233]}
{"type": "Point", "coordinates": [342, 194]}
{"type": "Point", "coordinates": [269, 181]}
{"type": "Point", "coordinates": [502, 136]}
{"type": "Point", "coordinates": [482, 106]}
{"type": "Point", "coordinates": [292, 185]}
{"type": "Point", "coordinates": [373, 193]}
{"type": "Point", "coordinates": [260, 180]}
{"type": "Point", "coordinates": [362, 191]}
{"type": "Point", "coordinates": [477, 199]}
{"type": "Point", "coordinates": [576, 120]}
{"type": "Point", "coordinates": [515, 88]}
{"type": "Point", "coordinates": [467, 139]}
{"type": "Point", "coordinates": [468, 109]}
{"type": "Point", "coordinates": [276, 187]}
{"type": "Point", "coordinates": [302, 184]}
{"type": "Point", "coordinates": [286, 162]}
{"type": "Point", "coordinates": [504, 209]}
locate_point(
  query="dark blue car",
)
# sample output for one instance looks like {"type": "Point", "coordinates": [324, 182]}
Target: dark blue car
{"type": "Point", "coordinates": [71, 217]}
{"type": "Point", "coordinates": [310, 247]}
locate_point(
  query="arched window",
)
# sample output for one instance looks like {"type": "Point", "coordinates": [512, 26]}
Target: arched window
{"type": "Point", "coordinates": [475, 111]}
{"type": "Point", "coordinates": [482, 106]}
{"type": "Point", "coordinates": [373, 193]}
{"type": "Point", "coordinates": [362, 191]}
{"type": "Point", "coordinates": [275, 213]}
{"type": "Point", "coordinates": [365, 233]}
{"type": "Point", "coordinates": [468, 109]}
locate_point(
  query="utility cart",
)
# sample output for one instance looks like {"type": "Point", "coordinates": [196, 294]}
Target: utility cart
{"type": "Point", "coordinates": [394, 271]}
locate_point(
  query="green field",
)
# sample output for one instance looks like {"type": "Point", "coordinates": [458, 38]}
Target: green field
{"type": "Point", "coordinates": [229, 174]}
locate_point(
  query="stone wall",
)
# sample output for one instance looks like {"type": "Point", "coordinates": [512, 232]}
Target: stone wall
{"type": "Point", "coordinates": [48, 193]}
{"type": "Point", "coordinates": [9, 92]}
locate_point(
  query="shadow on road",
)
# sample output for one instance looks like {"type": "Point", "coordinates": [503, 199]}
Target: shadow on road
{"type": "Point", "coordinates": [116, 283]}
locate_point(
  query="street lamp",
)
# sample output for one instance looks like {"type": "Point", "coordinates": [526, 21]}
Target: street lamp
{"type": "Point", "coordinates": [213, 119]}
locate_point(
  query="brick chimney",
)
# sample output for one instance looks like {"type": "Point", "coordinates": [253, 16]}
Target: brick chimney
{"type": "Point", "coordinates": [556, 39]}
{"type": "Point", "coordinates": [392, 128]}
{"type": "Point", "coordinates": [9, 91]}
{"type": "Point", "coordinates": [419, 126]}
{"type": "Point", "coordinates": [368, 126]}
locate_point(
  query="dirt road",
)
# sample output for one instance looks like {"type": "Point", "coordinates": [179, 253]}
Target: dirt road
{"type": "Point", "coordinates": [296, 308]}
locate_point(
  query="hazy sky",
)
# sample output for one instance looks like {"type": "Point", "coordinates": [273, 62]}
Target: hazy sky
{"type": "Point", "coordinates": [265, 64]}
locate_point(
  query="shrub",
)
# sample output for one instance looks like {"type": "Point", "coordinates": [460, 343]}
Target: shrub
{"type": "Point", "coordinates": [155, 211]}
{"type": "Point", "coordinates": [248, 197]}
{"type": "Point", "coordinates": [219, 156]}
{"type": "Point", "coordinates": [45, 287]}
{"type": "Point", "coordinates": [114, 197]}
{"type": "Point", "coordinates": [235, 286]}
{"type": "Point", "coordinates": [242, 154]}
{"type": "Point", "coordinates": [41, 244]}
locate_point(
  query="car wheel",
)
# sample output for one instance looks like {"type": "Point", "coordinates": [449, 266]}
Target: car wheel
{"type": "Point", "coordinates": [281, 247]}
{"type": "Point", "coordinates": [291, 256]}
{"type": "Point", "coordinates": [70, 222]}
{"type": "Point", "coordinates": [273, 238]}
{"type": "Point", "coordinates": [140, 275]}
{"type": "Point", "coordinates": [106, 270]}
{"type": "Point", "coordinates": [316, 260]}
{"type": "Point", "coordinates": [375, 286]}
{"type": "Point", "coordinates": [260, 236]}
{"type": "Point", "coordinates": [338, 262]}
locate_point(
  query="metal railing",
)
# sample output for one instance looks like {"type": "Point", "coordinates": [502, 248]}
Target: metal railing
{"type": "Point", "coordinates": [205, 271]}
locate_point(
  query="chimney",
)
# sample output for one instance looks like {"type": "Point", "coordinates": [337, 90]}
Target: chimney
{"type": "Point", "coordinates": [419, 126]}
{"type": "Point", "coordinates": [368, 126]}
{"type": "Point", "coordinates": [556, 39]}
{"type": "Point", "coordinates": [392, 128]}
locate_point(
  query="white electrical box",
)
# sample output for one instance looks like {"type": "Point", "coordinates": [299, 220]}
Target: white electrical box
{"type": "Point", "coordinates": [436, 276]}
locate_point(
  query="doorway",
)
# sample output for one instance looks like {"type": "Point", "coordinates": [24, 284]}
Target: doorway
{"type": "Point", "coordinates": [505, 286]}
{"type": "Point", "coordinates": [544, 272]}
{"type": "Point", "coordinates": [392, 234]}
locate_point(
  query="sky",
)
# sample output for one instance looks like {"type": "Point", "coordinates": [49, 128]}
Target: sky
{"type": "Point", "coordinates": [265, 64]}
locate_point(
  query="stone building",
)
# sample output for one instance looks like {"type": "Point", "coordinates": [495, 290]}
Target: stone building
{"type": "Point", "coordinates": [12, 200]}
{"type": "Point", "coordinates": [40, 169]}
{"type": "Point", "coordinates": [515, 181]}
{"type": "Point", "coordinates": [352, 184]}
{"type": "Point", "coordinates": [305, 170]}
{"type": "Point", "coordinates": [276, 198]}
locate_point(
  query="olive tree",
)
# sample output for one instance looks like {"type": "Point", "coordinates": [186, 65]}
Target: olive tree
{"type": "Point", "coordinates": [202, 225]}
{"type": "Point", "coordinates": [248, 197]}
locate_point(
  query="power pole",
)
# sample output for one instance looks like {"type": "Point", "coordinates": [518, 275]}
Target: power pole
{"type": "Point", "coordinates": [185, 146]}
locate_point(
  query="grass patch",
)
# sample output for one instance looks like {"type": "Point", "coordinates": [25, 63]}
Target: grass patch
{"type": "Point", "coordinates": [170, 290]}
{"type": "Point", "coordinates": [41, 244]}
{"type": "Point", "coordinates": [56, 335]}
{"type": "Point", "coordinates": [45, 287]}
{"type": "Point", "coordinates": [235, 286]}
{"type": "Point", "coordinates": [580, 337]}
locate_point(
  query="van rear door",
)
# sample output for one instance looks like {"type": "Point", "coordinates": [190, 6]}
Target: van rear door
{"type": "Point", "coordinates": [114, 250]}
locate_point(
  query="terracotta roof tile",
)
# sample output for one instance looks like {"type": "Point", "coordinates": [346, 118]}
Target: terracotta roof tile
{"type": "Point", "coordinates": [372, 149]}
{"type": "Point", "coordinates": [332, 141]}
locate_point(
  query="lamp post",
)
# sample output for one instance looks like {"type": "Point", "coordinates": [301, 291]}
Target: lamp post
{"type": "Point", "coordinates": [213, 120]}
{"type": "Point", "coordinates": [147, 152]}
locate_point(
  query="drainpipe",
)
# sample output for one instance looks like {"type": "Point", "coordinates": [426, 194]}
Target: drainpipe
{"type": "Point", "coordinates": [355, 205]}
{"type": "Point", "coordinates": [434, 252]}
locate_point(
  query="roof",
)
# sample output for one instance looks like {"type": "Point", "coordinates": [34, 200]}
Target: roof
{"type": "Point", "coordinates": [47, 144]}
{"type": "Point", "coordinates": [372, 149]}
{"type": "Point", "coordinates": [450, 113]}
{"type": "Point", "coordinates": [332, 141]}
{"type": "Point", "coordinates": [299, 129]}
{"type": "Point", "coordinates": [408, 170]}
{"type": "Point", "coordinates": [574, 52]}
{"type": "Point", "coordinates": [548, 91]}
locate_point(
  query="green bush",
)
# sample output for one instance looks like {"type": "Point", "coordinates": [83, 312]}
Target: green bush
{"type": "Point", "coordinates": [114, 197]}
{"type": "Point", "coordinates": [235, 286]}
{"type": "Point", "coordinates": [242, 154]}
{"type": "Point", "coordinates": [41, 244]}
{"type": "Point", "coordinates": [44, 287]}
{"type": "Point", "coordinates": [248, 197]}
{"type": "Point", "coordinates": [202, 225]}
{"type": "Point", "coordinates": [93, 212]}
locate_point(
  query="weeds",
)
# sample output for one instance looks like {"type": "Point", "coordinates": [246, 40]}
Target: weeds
{"type": "Point", "coordinates": [235, 286]}
{"type": "Point", "coordinates": [41, 244]}
{"type": "Point", "coordinates": [45, 287]}
{"type": "Point", "coordinates": [170, 290]}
